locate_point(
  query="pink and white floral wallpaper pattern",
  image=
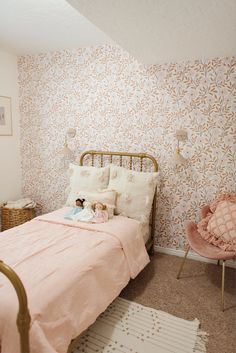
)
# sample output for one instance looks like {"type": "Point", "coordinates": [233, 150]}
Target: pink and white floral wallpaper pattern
{"type": "Point", "coordinates": [117, 103]}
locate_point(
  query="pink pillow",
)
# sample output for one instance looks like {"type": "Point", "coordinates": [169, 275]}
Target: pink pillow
{"type": "Point", "coordinates": [219, 226]}
{"type": "Point", "coordinates": [223, 222]}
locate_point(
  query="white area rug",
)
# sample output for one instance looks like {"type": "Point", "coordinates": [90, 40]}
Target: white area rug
{"type": "Point", "coordinates": [128, 327]}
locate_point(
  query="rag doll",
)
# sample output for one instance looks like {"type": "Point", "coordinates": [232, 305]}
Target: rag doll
{"type": "Point", "coordinates": [79, 205]}
{"type": "Point", "coordinates": [100, 213]}
{"type": "Point", "coordinates": [87, 213]}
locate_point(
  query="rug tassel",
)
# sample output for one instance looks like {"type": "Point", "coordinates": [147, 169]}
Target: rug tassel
{"type": "Point", "coordinates": [200, 344]}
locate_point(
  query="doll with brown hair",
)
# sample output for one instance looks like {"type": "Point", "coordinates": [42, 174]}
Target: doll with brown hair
{"type": "Point", "coordinates": [100, 212]}
{"type": "Point", "coordinates": [79, 206]}
{"type": "Point", "coordinates": [87, 214]}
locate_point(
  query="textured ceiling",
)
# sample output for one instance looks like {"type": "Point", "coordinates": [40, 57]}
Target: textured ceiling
{"type": "Point", "coordinates": [156, 31]}
{"type": "Point", "coordinates": [34, 26]}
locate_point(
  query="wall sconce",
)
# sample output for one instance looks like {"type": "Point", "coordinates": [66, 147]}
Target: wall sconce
{"type": "Point", "coordinates": [178, 159]}
{"type": "Point", "coordinates": [66, 153]}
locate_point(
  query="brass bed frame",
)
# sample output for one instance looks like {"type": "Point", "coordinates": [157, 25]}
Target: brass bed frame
{"type": "Point", "coordinates": [23, 316]}
{"type": "Point", "coordinates": [133, 158]}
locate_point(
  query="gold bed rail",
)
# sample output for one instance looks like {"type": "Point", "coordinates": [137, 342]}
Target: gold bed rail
{"type": "Point", "coordinates": [141, 156]}
{"type": "Point", "coordinates": [132, 156]}
{"type": "Point", "coordinates": [23, 316]}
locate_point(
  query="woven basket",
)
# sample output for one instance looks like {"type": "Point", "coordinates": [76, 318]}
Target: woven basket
{"type": "Point", "coordinates": [11, 217]}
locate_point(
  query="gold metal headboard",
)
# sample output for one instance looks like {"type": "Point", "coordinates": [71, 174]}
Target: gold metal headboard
{"type": "Point", "coordinates": [132, 156]}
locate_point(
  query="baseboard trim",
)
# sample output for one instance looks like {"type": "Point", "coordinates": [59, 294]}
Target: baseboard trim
{"type": "Point", "coordinates": [191, 255]}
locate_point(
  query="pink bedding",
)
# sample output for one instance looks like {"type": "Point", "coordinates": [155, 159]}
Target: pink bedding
{"type": "Point", "coordinates": [71, 272]}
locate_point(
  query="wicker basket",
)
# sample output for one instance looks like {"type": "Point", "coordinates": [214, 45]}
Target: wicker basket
{"type": "Point", "coordinates": [11, 217]}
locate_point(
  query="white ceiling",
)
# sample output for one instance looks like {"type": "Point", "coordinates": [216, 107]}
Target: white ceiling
{"type": "Point", "coordinates": [153, 31]}
{"type": "Point", "coordinates": [156, 31]}
{"type": "Point", "coordinates": [34, 26]}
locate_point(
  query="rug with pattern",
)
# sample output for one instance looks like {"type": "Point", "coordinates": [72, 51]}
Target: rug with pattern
{"type": "Point", "coordinates": [128, 327]}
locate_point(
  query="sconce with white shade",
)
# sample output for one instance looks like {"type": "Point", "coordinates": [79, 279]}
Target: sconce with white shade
{"type": "Point", "coordinates": [178, 159]}
{"type": "Point", "coordinates": [66, 153]}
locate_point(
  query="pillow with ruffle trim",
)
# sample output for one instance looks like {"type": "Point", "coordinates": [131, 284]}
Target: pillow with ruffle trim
{"type": "Point", "coordinates": [219, 226]}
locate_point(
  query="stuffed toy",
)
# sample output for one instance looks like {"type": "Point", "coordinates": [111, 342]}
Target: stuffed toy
{"type": "Point", "coordinates": [79, 205]}
{"type": "Point", "coordinates": [100, 213]}
{"type": "Point", "coordinates": [87, 214]}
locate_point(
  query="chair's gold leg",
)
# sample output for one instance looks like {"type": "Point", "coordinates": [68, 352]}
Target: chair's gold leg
{"type": "Point", "coordinates": [182, 264]}
{"type": "Point", "coordinates": [223, 286]}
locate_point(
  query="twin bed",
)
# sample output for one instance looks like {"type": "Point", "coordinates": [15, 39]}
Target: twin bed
{"type": "Point", "coordinates": [71, 271]}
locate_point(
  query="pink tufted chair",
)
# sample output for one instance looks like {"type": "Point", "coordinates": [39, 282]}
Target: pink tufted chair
{"type": "Point", "coordinates": [205, 249]}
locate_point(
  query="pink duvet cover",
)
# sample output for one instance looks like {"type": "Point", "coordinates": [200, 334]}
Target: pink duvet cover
{"type": "Point", "coordinates": [71, 272]}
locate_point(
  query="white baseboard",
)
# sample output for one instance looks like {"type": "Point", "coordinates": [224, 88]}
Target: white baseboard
{"type": "Point", "coordinates": [191, 255]}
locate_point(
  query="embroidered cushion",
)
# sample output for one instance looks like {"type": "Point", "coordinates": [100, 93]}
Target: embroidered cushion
{"type": "Point", "coordinates": [223, 222]}
{"type": "Point", "coordinates": [135, 192]}
{"type": "Point", "coordinates": [107, 197]}
{"type": "Point", "coordinates": [86, 178]}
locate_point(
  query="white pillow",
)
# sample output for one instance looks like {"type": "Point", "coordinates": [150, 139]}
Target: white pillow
{"type": "Point", "coordinates": [86, 178]}
{"type": "Point", "coordinates": [107, 197]}
{"type": "Point", "coordinates": [135, 192]}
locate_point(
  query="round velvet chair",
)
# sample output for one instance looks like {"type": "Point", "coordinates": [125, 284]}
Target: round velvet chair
{"type": "Point", "coordinates": [205, 249]}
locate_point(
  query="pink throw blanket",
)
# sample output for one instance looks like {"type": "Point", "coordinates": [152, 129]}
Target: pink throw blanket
{"type": "Point", "coordinates": [71, 271]}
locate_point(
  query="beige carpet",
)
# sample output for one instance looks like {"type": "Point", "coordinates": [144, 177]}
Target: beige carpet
{"type": "Point", "coordinates": [195, 295]}
{"type": "Point", "coordinates": [127, 327]}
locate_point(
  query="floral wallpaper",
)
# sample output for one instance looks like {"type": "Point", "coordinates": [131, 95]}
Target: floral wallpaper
{"type": "Point", "coordinates": [116, 103]}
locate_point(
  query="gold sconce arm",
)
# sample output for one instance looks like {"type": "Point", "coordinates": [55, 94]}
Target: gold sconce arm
{"type": "Point", "coordinates": [23, 316]}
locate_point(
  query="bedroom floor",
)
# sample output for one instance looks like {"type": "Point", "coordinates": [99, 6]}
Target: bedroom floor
{"type": "Point", "coordinates": [196, 294]}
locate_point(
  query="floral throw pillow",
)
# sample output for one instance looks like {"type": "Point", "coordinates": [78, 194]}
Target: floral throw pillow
{"type": "Point", "coordinates": [86, 178]}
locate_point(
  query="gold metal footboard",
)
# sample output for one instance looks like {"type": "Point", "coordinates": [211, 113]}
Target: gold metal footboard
{"type": "Point", "coordinates": [23, 316]}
